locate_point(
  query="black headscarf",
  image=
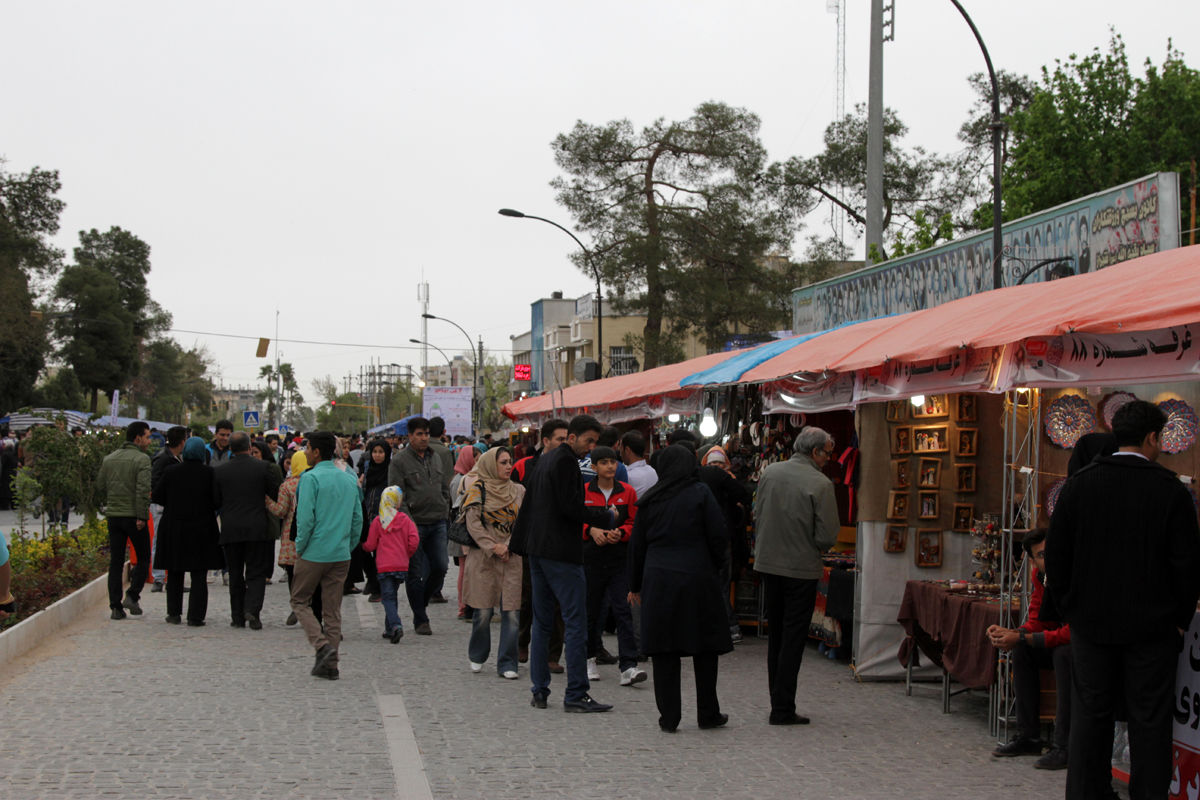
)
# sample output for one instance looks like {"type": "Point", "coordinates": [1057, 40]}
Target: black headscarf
{"type": "Point", "coordinates": [676, 471]}
{"type": "Point", "coordinates": [1089, 446]}
{"type": "Point", "coordinates": [376, 474]}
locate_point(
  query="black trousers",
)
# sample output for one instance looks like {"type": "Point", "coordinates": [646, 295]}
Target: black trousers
{"type": "Point", "coordinates": [197, 598]}
{"type": "Point", "coordinates": [667, 693]}
{"type": "Point", "coordinates": [1144, 673]}
{"type": "Point", "coordinates": [789, 608]}
{"type": "Point", "coordinates": [609, 581]}
{"type": "Point", "coordinates": [315, 602]}
{"type": "Point", "coordinates": [1027, 663]}
{"type": "Point", "coordinates": [250, 565]}
{"type": "Point", "coordinates": [120, 529]}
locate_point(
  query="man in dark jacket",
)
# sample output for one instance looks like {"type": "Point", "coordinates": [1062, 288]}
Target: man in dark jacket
{"type": "Point", "coordinates": [241, 484]}
{"type": "Point", "coordinates": [548, 533]}
{"type": "Point", "coordinates": [437, 429]}
{"type": "Point", "coordinates": [124, 482]}
{"type": "Point", "coordinates": [1123, 568]}
{"type": "Point", "coordinates": [165, 457]}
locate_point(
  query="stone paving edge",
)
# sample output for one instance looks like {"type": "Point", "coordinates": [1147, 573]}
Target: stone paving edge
{"type": "Point", "coordinates": [29, 633]}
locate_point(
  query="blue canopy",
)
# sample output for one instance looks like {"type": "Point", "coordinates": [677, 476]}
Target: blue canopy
{"type": "Point", "coordinates": [730, 370]}
{"type": "Point", "coordinates": [399, 427]}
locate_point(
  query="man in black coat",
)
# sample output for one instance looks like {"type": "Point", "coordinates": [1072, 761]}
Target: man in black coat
{"type": "Point", "coordinates": [548, 532]}
{"type": "Point", "coordinates": [242, 484]}
{"type": "Point", "coordinates": [167, 456]}
{"type": "Point", "coordinates": [1123, 566]}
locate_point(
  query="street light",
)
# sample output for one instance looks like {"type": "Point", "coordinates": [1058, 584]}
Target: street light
{"type": "Point", "coordinates": [512, 212]}
{"type": "Point", "coordinates": [475, 372]}
{"type": "Point", "coordinates": [449, 363]}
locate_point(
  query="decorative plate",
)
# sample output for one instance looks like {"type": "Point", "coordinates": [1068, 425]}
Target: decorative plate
{"type": "Point", "coordinates": [1068, 418]}
{"type": "Point", "coordinates": [1052, 495]}
{"type": "Point", "coordinates": [1111, 404]}
{"type": "Point", "coordinates": [1180, 431]}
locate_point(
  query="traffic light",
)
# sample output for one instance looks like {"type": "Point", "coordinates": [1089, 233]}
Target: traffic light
{"type": "Point", "coordinates": [333, 403]}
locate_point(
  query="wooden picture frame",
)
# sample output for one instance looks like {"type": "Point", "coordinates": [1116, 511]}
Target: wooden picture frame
{"type": "Point", "coordinates": [928, 506]}
{"type": "Point", "coordinates": [896, 540]}
{"type": "Point", "coordinates": [966, 408]}
{"type": "Point", "coordinates": [930, 439]}
{"type": "Point", "coordinates": [897, 505]}
{"type": "Point", "coordinates": [901, 479]}
{"type": "Point", "coordinates": [964, 478]}
{"type": "Point", "coordinates": [928, 552]}
{"type": "Point", "coordinates": [933, 407]}
{"type": "Point", "coordinates": [929, 473]}
{"type": "Point", "coordinates": [895, 410]}
{"type": "Point", "coordinates": [966, 442]}
{"type": "Point", "coordinates": [902, 440]}
{"type": "Point", "coordinates": [964, 516]}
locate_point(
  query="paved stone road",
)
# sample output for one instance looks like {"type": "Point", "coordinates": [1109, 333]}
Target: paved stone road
{"type": "Point", "coordinates": [142, 709]}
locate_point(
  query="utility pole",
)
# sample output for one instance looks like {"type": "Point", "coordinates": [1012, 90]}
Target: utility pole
{"type": "Point", "coordinates": [875, 120]}
{"type": "Point", "coordinates": [423, 299]}
{"type": "Point", "coordinates": [482, 381]}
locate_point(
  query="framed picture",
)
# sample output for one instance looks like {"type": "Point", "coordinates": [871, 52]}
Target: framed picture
{"type": "Point", "coordinates": [930, 439]}
{"type": "Point", "coordinates": [967, 442]}
{"type": "Point", "coordinates": [902, 441]}
{"type": "Point", "coordinates": [900, 477]}
{"type": "Point", "coordinates": [927, 505]}
{"type": "Point", "coordinates": [964, 514]}
{"type": "Point", "coordinates": [896, 540]}
{"type": "Point", "coordinates": [929, 473]}
{"type": "Point", "coordinates": [933, 407]}
{"type": "Point", "coordinates": [897, 505]}
{"type": "Point", "coordinates": [928, 552]}
{"type": "Point", "coordinates": [895, 410]}
{"type": "Point", "coordinates": [965, 408]}
{"type": "Point", "coordinates": [964, 478]}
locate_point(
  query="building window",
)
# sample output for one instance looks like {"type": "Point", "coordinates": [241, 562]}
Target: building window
{"type": "Point", "coordinates": [622, 360]}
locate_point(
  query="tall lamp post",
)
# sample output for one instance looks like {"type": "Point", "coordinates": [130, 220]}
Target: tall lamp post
{"type": "Point", "coordinates": [476, 405]}
{"type": "Point", "coordinates": [449, 363]}
{"type": "Point", "coordinates": [997, 127]}
{"type": "Point", "coordinates": [512, 212]}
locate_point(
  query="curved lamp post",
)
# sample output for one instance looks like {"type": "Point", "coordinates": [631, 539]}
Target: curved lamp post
{"type": "Point", "coordinates": [449, 363]}
{"type": "Point", "coordinates": [512, 212]}
{"type": "Point", "coordinates": [477, 406]}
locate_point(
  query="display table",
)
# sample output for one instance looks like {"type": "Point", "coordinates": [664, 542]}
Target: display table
{"type": "Point", "coordinates": [950, 629]}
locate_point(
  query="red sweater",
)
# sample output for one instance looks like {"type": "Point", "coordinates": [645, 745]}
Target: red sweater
{"type": "Point", "coordinates": [394, 545]}
{"type": "Point", "coordinates": [623, 498]}
{"type": "Point", "coordinates": [1045, 634]}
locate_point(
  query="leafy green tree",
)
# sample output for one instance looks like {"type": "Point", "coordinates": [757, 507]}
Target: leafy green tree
{"type": "Point", "coordinates": [97, 331]}
{"type": "Point", "coordinates": [667, 204]}
{"type": "Point", "coordinates": [278, 405]}
{"type": "Point", "coordinates": [495, 377]}
{"type": "Point", "coordinates": [60, 390]}
{"type": "Point", "coordinates": [66, 465]}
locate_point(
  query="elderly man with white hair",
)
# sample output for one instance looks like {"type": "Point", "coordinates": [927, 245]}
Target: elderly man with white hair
{"type": "Point", "coordinates": [796, 518]}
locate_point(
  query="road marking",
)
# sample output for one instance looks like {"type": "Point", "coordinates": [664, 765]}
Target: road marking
{"type": "Point", "coordinates": [407, 767]}
{"type": "Point", "coordinates": [366, 614]}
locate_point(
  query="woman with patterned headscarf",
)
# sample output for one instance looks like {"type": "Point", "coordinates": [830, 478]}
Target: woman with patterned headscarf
{"type": "Point", "coordinates": [284, 507]}
{"type": "Point", "coordinates": [187, 532]}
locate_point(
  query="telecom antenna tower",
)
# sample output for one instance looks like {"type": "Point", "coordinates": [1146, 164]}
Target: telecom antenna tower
{"type": "Point", "coordinates": [838, 8]}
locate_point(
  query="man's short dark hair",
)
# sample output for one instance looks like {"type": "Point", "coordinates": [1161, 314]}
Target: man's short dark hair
{"type": "Point", "coordinates": [324, 443]}
{"type": "Point", "coordinates": [176, 435]}
{"type": "Point", "coordinates": [272, 437]}
{"type": "Point", "coordinates": [135, 430]}
{"type": "Point", "coordinates": [1134, 420]}
{"type": "Point", "coordinates": [609, 436]}
{"type": "Point", "coordinates": [634, 442]}
{"type": "Point", "coordinates": [552, 425]}
{"type": "Point", "coordinates": [603, 453]}
{"type": "Point", "coordinates": [681, 435]}
{"type": "Point", "coordinates": [1034, 537]}
{"type": "Point", "coordinates": [418, 424]}
{"type": "Point", "coordinates": [223, 425]}
{"type": "Point", "coordinates": [437, 427]}
{"type": "Point", "coordinates": [583, 423]}
{"type": "Point", "coordinates": [239, 442]}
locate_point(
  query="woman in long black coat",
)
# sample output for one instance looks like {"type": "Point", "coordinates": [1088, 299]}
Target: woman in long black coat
{"type": "Point", "coordinates": [678, 548]}
{"type": "Point", "coordinates": [187, 532]}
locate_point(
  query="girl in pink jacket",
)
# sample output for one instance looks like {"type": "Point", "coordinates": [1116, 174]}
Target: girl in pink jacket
{"type": "Point", "coordinates": [393, 539]}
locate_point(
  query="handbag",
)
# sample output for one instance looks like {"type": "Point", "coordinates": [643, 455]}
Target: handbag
{"type": "Point", "coordinates": [457, 532]}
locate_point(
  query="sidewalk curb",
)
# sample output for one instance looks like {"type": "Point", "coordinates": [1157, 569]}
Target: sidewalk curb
{"type": "Point", "coordinates": [29, 633]}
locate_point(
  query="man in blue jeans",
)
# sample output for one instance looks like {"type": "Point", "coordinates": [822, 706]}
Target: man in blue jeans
{"type": "Point", "coordinates": [549, 533]}
{"type": "Point", "coordinates": [425, 481]}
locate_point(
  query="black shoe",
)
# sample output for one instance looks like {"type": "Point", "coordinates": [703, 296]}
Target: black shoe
{"type": "Point", "coordinates": [716, 722]}
{"type": "Point", "coordinates": [327, 672]}
{"type": "Point", "coordinates": [237, 623]}
{"type": "Point", "coordinates": [375, 597]}
{"type": "Point", "coordinates": [174, 619]}
{"type": "Point", "coordinates": [538, 700]}
{"type": "Point", "coordinates": [195, 623]}
{"type": "Point", "coordinates": [157, 587]}
{"type": "Point", "coordinates": [666, 728]}
{"type": "Point", "coordinates": [424, 630]}
{"type": "Point", "coordinates": [1055, 758]}
{"type": "Point", "coordinates": [131, 603]}
{"type": "Point", "coordinates": [352, 590]}
{"type": "Point", "coordinates": [585, 705]}
{"type": "Point", "coordinates": [437, 598]}
{"type": "Point", "coordinates": [791, 719]}
{"type": "Point", "coordinates": [396, 635]}
{"type": "Point", "coordinates": [605, 657]}
{"type": "Point", "coordinates": [254, 622]}
{"type": "Point", "coordinates": [292, 619]}
{"type": "Point", "coordinates": [117, 613]}
{"type": "Point", "coordinates": [324, 656]}
{"type": "Point", "coordinates": [1020, 746]}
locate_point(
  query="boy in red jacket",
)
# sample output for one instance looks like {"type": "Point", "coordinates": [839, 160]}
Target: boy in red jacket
{"type": "Point", "coordinates": [604, 564]}
{"type": "Point", "coordinates": [393, 538]}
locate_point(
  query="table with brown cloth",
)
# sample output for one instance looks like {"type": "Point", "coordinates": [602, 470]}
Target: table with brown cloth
{"type": "Point", "coordinates": [951, 629]}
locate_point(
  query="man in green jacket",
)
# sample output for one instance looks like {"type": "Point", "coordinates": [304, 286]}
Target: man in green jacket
{"type": "Point", "coordinates": [328, 525]}
{"type": "Point", "coordinates": [795, 519]}
{"type": "Point", "coordinates": [124, 481]}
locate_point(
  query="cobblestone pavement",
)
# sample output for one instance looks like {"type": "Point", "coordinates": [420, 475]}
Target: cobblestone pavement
{"type": "Point", "coordinates": [140, 708]}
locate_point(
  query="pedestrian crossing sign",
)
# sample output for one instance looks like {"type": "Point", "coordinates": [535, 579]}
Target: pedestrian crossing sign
{"type": "Point", "coordinates": [249, 419]}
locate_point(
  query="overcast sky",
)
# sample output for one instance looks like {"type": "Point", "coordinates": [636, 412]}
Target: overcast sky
{"type": "Point", "coordinates": [319, 158]}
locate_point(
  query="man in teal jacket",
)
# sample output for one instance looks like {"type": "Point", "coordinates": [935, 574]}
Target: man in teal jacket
{"type": "Point", "coordinates": [124, 482]}
{"type": "Point", "coordinates": [328, 525]}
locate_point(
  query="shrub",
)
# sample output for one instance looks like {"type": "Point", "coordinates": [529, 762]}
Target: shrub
{"type": "Point", "coordinates": [47, 569]}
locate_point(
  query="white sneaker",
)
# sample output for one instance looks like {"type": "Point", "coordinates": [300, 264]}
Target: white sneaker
{"type": "Point", "coordinates": [475, 667]}
{"type": "Point", "coordinates": [593, 672]}
{"type": "Point", "coordinates": [632, 675]}
{"type": "Point", "coordinates": [509, 674]}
